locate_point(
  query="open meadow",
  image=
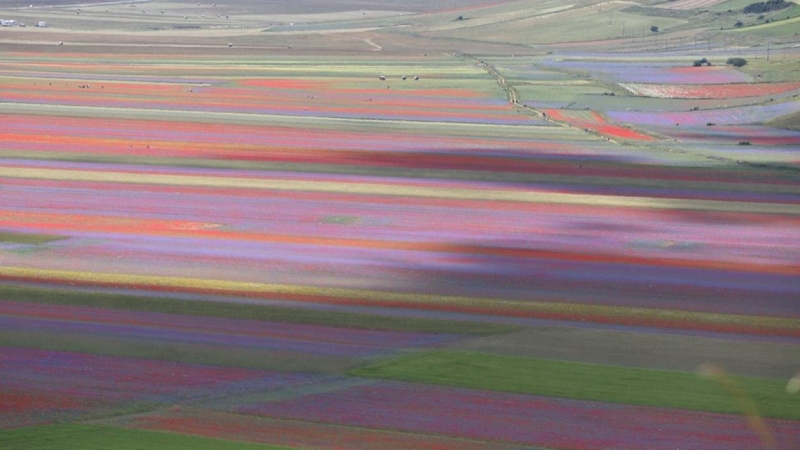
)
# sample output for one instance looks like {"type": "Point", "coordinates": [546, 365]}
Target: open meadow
{"type": "Point", "coordinates": [458, 224]}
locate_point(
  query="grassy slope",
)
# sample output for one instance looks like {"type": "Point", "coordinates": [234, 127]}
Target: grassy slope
{"type": "Point", "coordinates": [572, 25]}
{"type": "Point", "coordinates": [94, 437]}
{"type": "Point", "coordinates": [790, 122]}
{"type": "Point", "coordinates": [583, 381]}
{"type": "Point", "coordinates": [777, 69]}
{"type": "Point", "coordinates": [246, 311]}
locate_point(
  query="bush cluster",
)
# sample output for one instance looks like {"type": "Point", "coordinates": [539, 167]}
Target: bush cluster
{"type": "Point", "coordinates": [736, 62]}
{"type": "Point", "coordinates": [762, 7]}
{"type": "Point", "coordinates": [701, 62]}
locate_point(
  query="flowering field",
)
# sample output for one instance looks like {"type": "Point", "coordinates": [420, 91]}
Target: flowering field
{"type": "Point", "coordinates": [288, 248]}
{"type": "Point", "coordinates": [741, 115]}
{"type": "Point", "coordinates": [652, 73]}
{"type": "Point", "coordinates": [42, 386]}
{"type": "Point", "coordinates": [283, 96]}
{"type": "Point", "coordinates": [723, 91]}
{"type": "Point", "coordinates": [518, 419]}
{"type": "Point", "coordinates": [732, 134]}
{"type": "Point", "coordinates": [299, 434]}
{"type": "Point", "coordinates": [154, 328]}
{"type": "Point", "coordinates": [591, 120]}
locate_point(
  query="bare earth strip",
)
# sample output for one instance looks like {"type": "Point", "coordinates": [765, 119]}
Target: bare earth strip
{"type": "Point", "coordinates": [376, 47]}
{"type": "Point", "coordinates": [651, 351]}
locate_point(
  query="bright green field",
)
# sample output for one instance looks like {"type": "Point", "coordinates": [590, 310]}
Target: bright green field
{"type": "Point", "coordinates": [95, 437]}
{"type": "Point", "coordinates": [584, 381]}
{"type": "Point", "coordinates": [26, 238]}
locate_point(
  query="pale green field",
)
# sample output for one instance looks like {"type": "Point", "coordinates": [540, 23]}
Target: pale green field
{"type": "Point", "coordinates": [558, 92]}
{"type": "Point", "coordinates": [775, 29]}
{"type": "Point", "coordinates": [567, 25]}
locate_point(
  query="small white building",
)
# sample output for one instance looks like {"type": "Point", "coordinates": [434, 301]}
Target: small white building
{"type": "Point", "coordinates": [8, 23]}
{"type": "Point", "coordinates": [42, 24]}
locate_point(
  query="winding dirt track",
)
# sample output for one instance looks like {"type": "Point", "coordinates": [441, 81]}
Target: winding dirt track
{"type": "Point", "coordinates": [513, 97]}
{"type": "Point", "coordinates": [376, 48]}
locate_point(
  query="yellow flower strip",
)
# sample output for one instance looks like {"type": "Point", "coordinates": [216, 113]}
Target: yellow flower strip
{"type": "Point", "coordinates": [510, 195]}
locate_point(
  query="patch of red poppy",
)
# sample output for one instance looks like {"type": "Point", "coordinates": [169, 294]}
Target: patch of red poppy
{"type": "Point", "coordinates": [27, 402]}
{"type": "Point", "coordinates": [284, 83]}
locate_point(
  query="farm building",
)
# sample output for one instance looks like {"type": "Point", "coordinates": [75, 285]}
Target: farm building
{"type": "Point", "coordinates": [8, 23]}
{"type": "Point", "coordinates": [42, 24]}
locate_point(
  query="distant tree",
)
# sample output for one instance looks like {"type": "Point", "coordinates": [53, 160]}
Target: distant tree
{"type": "Point", "coordinates": [738, 24]}
{"type": "Point", "coordinates": [701, 62]}
{"type": "Point", "coordinates": [654, 29]}
{"type": "Point", "coordinates": [460, 18]}
{"type": "Point", "coordinates": [736, 62]}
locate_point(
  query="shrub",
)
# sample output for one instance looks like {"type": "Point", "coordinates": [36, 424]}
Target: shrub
{"type": "Point", "coordinates": [736, 62]}
{"type": "Point", "coordinates": [738, 24]}
{"type": "Point", "coordinates": [654, 29]}
{"type": "Point", "coordinates": [700, 62]}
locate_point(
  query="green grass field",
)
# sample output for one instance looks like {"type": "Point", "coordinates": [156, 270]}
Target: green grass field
{"type": "Point", "coordinates": [584, 381]}
{"type": "Point", "coordinates": [96, 437]}
{"type": "Point", "coordinates": [27, 238]}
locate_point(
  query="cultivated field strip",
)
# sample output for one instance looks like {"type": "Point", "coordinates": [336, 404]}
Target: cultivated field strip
{"type": "Point", "coordinates": [515, 418]}
{"type": "Point", "coordinates": [723, 91]}
{"type": "Point", "coordinates": [41, 386]}
{"type": "Point", "coordinates": [302, 434]}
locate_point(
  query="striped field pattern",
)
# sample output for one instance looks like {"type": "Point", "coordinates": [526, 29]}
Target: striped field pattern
{"type": "Point", "coordinates": [206, 226]}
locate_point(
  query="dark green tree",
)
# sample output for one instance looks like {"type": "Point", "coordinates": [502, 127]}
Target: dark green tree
{"type": "Point", "coordinates": [736, 62]}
